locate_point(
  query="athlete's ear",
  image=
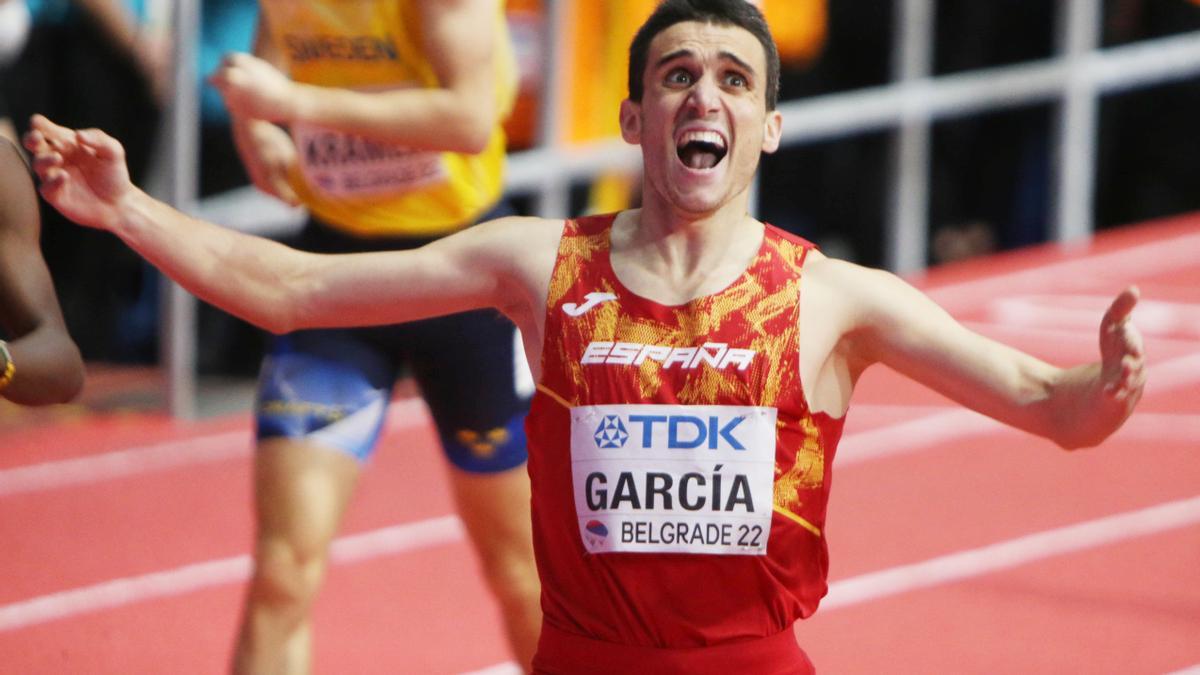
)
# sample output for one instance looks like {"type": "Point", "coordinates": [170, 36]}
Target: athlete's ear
{"type": "Point", "coordinates": [772, 131]}
{"type": "Point", "coordinates": [631, 122]}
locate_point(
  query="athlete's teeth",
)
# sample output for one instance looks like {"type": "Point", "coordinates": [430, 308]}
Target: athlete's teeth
{"type": "Point", "coordinates": [710, 137]}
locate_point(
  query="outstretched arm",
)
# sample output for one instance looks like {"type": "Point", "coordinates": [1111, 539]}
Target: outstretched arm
{"type": "Point", "coordinates": [1075, 407]}
{"type": "Point", "coordinates": [268, 284]}
{"type": "Point", "coordinates": [459, 37]}
{"type": "Point", "coordinates": [47, 365]}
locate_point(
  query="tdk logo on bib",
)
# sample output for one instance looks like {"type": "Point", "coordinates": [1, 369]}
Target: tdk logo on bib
{"type": "Point", "coordinates": [673, 478]}
{"type": "Point", "coordinates": [683, 432]}
{"type": "Point", "coordinates": [611, 433]}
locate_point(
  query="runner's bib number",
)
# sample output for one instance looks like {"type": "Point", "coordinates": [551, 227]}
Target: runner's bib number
{"type": "Point", "coordinates": [338, 164]}
{"type": "Point", "coordinates": [673, 478]}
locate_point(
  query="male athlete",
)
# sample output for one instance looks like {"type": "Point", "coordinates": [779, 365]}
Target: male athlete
{"type": "Point", "coordinates": [694, 365]}
{"type": "Point", "coordinates": [39, 363]}
{"type": "Point", "coordinates": [393, 112]}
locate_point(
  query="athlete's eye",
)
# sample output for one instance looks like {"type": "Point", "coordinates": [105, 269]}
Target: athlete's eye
{"type": "Point", "coordinates": [679, 76]}
{"type": "Point", "coordinates": [734, 79]}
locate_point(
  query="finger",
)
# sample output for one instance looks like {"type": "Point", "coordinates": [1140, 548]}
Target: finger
{"type": "Point", "coordinates": [281, 188]}
{"type": "Point", "coordinates": [1139, 382]}
{"type": "Point", "coordinates": [288, 195]}
{"type": "Point", "coordinates": [52, 183]}
{"type": "Point", "coordinates": [1121, 306]}
{"type": "Point", "coordinates": [45, 162]}
{"type": "Point", "coordinates": [237, 60]}
{"type": "Point", "coordinates": [220, 75]}
{"type": "Point", "coordinates": [54, 134]}
{"type": "Point", "coordinates": [1130, 389]}
{"type": "Point", "coordinates": [1133, 374]}
{"type": "Point", "coordinates": [1134, 344]}
{"type": "Point", "coordinates": [104, 146]}
{"type": "Point", "coordinates": [34, 141]}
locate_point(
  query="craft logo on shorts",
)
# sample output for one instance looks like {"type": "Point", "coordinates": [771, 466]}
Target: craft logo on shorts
{"type": "Point", "coordinates": [611, 433]}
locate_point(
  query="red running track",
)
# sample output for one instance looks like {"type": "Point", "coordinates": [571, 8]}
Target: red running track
{"type": "Point", "coordinates": [957, 545]}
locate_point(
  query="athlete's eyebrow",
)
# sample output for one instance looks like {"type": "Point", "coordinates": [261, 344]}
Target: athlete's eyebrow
{"type": "Point", "coordinates": [730, 56]}
{"type": "Point", "coordinates": [726, 55]}
{"type": "Point", "coordinates": [678, 53]}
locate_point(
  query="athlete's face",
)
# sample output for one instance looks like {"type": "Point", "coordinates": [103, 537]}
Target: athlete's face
{"type": "Point", "coordinates": [702, 121]}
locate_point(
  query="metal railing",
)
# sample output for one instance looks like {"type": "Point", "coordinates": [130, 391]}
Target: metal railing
{"type": "Point", "coordinates": [1074, 79]}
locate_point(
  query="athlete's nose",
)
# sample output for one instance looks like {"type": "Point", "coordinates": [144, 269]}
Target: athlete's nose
{"type": "Point", "coordinates": [703, 97]}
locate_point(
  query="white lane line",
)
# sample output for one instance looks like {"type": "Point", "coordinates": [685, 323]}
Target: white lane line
{"type": "Point", "coordinates": [163, 456]}
{"type": "Point", "coordinates": [398, 539]}
{"type": "Point", "coordinates": [1178, 373]}
{"type": "Point", "coordinates": [1082, 312]}
{"type": "Point", "coordinates": [1012, 553]}
{"type": "Point", "coordinates": [124, 591]}
{"type": "Point", "coordinates": [110, 465]}
{"type": "Point", "coordinates": [1191, 670]}
{"type": "Point", "coordinates": [130, 590]}
{"type": "Point", "coordinates": [1072, 337]}
{"type": "Point", "coordinates": [956, 424]}
{"type": "Point", "coordinates": [507, 668]}
{"type": "Point", "coordinates": [911, 436]}
{"type": "Point", "coordinates": [1158, 257]}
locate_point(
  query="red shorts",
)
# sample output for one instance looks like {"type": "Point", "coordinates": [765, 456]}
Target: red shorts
{"type": "Point", "coordinates": [560, 653]}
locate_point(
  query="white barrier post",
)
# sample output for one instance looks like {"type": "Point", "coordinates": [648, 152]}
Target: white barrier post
{"type": "Point", "coordinates": [908, 217]}
{"type": "Point", "coordinates": [177, 324]}
{"type": "Point", "coordinates": [554, 194]}
{"type": "Point", "coordinates": [1076, 151]}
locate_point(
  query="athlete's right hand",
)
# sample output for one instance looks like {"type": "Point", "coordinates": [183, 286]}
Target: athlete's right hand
{"type": "Point", "coordinates": [82, 173]}
{"type": "Point", "coordinates": [269, 156]}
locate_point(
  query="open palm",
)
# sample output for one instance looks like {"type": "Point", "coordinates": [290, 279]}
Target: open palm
{"type": "Point", "coordinates": [82, 173]}
{"type": "Point", "coordinates": [1121, 351]}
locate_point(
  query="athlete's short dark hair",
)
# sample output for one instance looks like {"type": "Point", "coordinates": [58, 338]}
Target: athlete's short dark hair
{"type": "Point", "coordinates": [738, 13]}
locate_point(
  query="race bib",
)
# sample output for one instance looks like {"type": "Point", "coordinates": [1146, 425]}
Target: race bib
{"type": "Point", "coordinates": [673, 478]}
{"type": "Point", "coordinates": [339, 164]}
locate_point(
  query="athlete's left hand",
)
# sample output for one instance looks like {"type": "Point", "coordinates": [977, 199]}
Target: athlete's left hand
{"type": "Point", "coordinates": [1122, 355]}
{"type": "Point", "coordinates": [255, 89]}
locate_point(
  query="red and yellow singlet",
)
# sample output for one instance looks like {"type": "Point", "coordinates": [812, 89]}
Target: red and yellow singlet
{"type": "Point", "coordinates": [680, 480]}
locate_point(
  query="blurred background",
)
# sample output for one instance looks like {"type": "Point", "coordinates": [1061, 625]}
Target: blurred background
{"type": "Point", "coordinates": [917, 133]}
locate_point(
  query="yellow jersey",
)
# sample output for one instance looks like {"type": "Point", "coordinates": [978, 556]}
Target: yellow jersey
{"type": "Point", "coordinates": [362, 185]}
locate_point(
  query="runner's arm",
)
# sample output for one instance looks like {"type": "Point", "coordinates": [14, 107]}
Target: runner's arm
{"type": "Point", "coordinates": [461, 41]}
{"type": "Point", "coordinates": [276, 287]}
{"type": "Point", "coordinates": [48, 368]}
{"type": "Point", "coordinates": [1075, 407]}
{"type": "Point", "coordinates": [266, 150]}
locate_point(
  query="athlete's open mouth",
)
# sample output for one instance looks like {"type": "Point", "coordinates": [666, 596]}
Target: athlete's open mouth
{"type": "Point", "coordinates": [700, 149]}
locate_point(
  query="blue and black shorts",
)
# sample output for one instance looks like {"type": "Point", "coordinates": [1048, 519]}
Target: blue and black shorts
{"type": "Point", "coordinates": [332, 386]}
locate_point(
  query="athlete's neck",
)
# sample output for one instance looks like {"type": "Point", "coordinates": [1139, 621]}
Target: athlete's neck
{"type": "Point", "coordinates": [672, 258]}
